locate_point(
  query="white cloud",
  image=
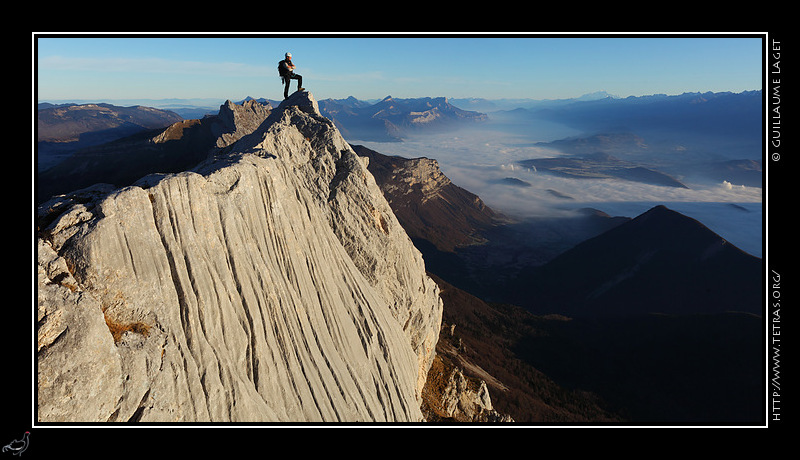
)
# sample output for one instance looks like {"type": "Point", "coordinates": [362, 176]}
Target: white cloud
{"type": "Point", "coordinates": [729, 186]}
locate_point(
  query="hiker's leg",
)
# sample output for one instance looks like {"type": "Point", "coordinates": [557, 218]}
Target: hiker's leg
{"type": "Point", "coordinates": [299, 82]}
{"type": "Point", "coordinates": [286, 82]}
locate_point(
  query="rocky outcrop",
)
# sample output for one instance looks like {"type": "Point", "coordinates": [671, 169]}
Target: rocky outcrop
{"type": "Point", "coordinates": [452, 396]}
{"type": "Point", "coordinates": [176, 148]}
{"type": "Point", "coordinates": [427, 203]}
{"type": "Point", "coordinates": [272, 283]}
{"type": "Point", "coordinates": [236, 121]}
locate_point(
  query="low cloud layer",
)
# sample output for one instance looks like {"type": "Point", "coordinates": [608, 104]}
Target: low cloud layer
{"type": "Point", "coordinates": [485, 163]}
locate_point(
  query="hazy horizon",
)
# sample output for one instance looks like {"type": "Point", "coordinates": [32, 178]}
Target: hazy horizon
{"type": "Point", "coordinates": [197, 101]}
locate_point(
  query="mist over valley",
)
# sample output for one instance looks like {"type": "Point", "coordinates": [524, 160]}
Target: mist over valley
{"type": "Point", "coordinates": [662, 153]}
{"type": "Point", "coordinates": [700, 153]}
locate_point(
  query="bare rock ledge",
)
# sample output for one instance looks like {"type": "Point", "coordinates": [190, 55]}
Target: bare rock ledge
{"type": "Point", "coordinates": [272, 283]}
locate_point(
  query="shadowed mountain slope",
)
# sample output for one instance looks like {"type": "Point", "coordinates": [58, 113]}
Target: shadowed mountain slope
{"type": "Point", "coordinates": [659, 262]}
{"type": "Point", "coordinates": [428, 204]}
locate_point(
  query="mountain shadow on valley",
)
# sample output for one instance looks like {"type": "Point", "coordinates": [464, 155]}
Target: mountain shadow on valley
{"type": "Point", "coordinates": [659, 262]}
{"type": "Point", "coordinates": [700, 369]}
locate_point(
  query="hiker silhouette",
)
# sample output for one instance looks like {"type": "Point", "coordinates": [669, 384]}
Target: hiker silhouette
{"type": "Point", "coordinates": [286, 71]}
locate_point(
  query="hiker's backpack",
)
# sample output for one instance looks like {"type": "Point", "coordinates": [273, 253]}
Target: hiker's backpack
{"type": "Point", "coordinates": [281, 69]}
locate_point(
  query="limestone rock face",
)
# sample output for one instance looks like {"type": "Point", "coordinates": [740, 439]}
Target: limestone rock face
{"type": "Point", "coordinates": [462, 402]}
{"type": "Point", "coordinates": [236, 121]}
{"type": "Point", "coordinates": [270, 284]}
{"type": "Point", "coordinates": [452, 396]}
{"type": "Point", "coordinates": [428, 205]}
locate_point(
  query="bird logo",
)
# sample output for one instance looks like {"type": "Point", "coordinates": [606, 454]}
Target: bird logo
{"type": "Point", "coordinates": [18, 446]}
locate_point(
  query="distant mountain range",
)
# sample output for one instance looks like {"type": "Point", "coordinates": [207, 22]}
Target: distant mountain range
{"type": "Point", "coordinates": [495, 105]}
{"type": "Point", "coordinates": [601, 165]}
{"type": "Point", "coordinates": [725, 111]}
{"type": "Point", "coordinates": [124, 158]}
{"type": "Point", "coordinates": [63, 129]}
{"type": "Point", "coordinates": [627, 156]}
{"type": "Point", "coordinates": [392, 119]}
{"type": "Point", "coordinates": [692, 137]}
{"type": "Point", "coordinates": [186, 108]}
{"type": "Point", "coordinates": [711, 126]}
{"type": "Point", "coordinates": [69, 123]}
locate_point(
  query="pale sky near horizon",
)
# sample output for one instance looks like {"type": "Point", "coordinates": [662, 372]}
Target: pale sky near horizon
{"type": "Point", "coordinates": [111, 67]}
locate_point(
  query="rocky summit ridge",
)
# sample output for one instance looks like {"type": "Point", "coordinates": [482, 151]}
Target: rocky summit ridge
{"type": "Point", "coordinates": [270, 283]}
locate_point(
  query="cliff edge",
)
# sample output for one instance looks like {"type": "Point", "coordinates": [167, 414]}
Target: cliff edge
{"type": "Point", "coordinates": [271, 283]}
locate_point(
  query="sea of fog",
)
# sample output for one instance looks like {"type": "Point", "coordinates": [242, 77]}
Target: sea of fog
{"type": "Point", "coordinates": [483, 158]}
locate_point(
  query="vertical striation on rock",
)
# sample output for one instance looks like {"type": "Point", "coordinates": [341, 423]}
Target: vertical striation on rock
{"type": "Point", "coordinates": [272, 283]}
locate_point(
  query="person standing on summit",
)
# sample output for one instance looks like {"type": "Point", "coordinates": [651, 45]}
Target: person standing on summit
{"type": "Point", "coordinates": [286, 71]}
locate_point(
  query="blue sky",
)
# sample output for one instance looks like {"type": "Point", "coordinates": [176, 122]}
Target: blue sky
{"type": "Point", "coordinates": [95, 67]}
